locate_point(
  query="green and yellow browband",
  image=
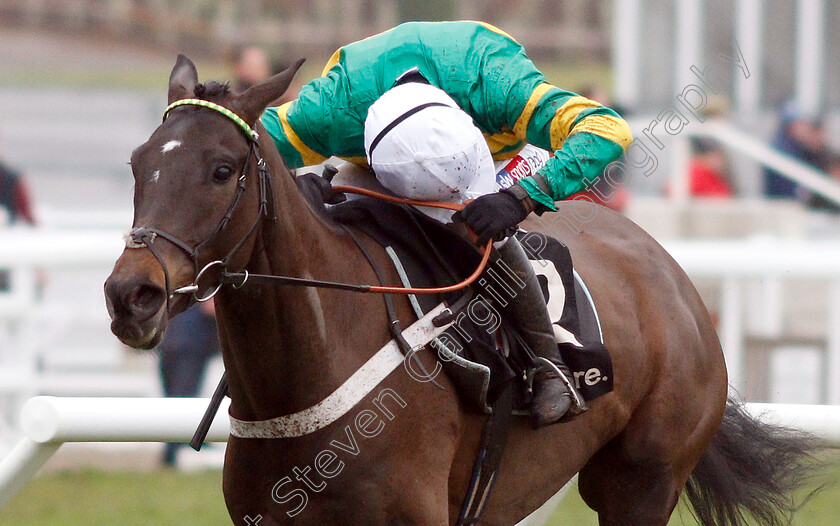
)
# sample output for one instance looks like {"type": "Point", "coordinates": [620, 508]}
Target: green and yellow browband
{"type": "Point", "coordinates": [253, 135]}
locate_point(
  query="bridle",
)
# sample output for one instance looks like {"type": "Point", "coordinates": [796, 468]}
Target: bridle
{"type": "Point", "coordinates": [144, 236]}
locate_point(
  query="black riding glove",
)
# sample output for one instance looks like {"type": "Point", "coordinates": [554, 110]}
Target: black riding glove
{"type": "Point", "coordinates": [311, 183]}
{"type": "Point", "coordinates": [494, 216]}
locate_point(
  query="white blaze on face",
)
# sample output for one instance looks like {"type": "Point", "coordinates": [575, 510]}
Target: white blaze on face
{"type": "Point", "coordinates": [169, 146]}
{"type": "Point", "coordinates": [155, 176]}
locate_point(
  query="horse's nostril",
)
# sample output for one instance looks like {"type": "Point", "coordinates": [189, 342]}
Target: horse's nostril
{"type": "Point", "coordinates": [146, 298]}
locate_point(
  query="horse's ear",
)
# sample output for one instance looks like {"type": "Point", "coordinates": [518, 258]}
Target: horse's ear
{"type": "Point", "coordinates": [182, 80]}
{"type": "Point", "coordinates": [257, 98]}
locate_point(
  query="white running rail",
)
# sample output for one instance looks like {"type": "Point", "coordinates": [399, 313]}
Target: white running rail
{"type": "Point", "coordinates": [51, 421]}
{"type": "Point", "coordinates": [738, 141]}
{"type": "Point", "coordinates": [48, 422]}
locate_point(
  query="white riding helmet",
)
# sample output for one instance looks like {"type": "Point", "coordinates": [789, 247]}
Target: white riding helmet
{"type": "Point", "coordinates": [421, 145]}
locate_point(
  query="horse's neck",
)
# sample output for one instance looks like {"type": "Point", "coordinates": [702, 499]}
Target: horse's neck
{"type": "Point", "coordinates": [287, 348]}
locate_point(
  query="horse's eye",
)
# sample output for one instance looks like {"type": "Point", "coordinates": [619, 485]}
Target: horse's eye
{"type": "Point", "coordinates": [222, 174]}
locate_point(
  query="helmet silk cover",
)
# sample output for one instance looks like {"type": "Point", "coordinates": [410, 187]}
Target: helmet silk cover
{"type": "Point", "coordinates": [435, 154]}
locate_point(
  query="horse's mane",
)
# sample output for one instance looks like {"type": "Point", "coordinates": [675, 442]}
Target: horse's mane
{"type": "Point", "coordinates": [211, 90]}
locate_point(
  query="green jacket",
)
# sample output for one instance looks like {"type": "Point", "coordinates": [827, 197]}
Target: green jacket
{"type": "Point", "coordinates": [485, 71]}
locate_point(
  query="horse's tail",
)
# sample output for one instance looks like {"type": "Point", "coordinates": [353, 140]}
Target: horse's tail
{"type": "Point", "coordinates": [750, 468]}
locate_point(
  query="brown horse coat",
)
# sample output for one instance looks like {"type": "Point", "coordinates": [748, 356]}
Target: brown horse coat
{"type": "Point", "coordinates": [404, 454]}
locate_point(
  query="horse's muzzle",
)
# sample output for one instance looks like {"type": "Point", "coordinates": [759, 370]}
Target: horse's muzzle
{"type": "Point", "coordinates": [137, 307]}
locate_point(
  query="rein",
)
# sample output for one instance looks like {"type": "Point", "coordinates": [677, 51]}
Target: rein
{"type": "Point", "coordinates": [238, 279]}
{"type": "Point", "coordinates": [144, 237]}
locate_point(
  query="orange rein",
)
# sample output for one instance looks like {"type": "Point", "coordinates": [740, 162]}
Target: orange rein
{"type": "Point", "coordinates": [434, 204]}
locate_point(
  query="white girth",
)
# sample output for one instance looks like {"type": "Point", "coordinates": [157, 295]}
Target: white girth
{"type": "Point", "coordinates": [350, 393]}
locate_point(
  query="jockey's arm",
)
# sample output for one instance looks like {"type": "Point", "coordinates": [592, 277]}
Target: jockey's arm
{"type": "Point", "coordinates": [295, 149]}
{"type": "Point", "coordinates": [584, 135]}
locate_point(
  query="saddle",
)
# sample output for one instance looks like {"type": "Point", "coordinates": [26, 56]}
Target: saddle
{"type": "Point", "coordinates": [481, 353]}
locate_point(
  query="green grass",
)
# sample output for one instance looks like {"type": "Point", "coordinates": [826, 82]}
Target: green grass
{"type": "Point", "coordinates": [95, 498]}
{"type": "Point", "coordinates": [169, 498]}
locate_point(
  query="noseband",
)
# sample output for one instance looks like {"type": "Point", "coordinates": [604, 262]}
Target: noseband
{"type": "Point", "coordinates": [144, 236]}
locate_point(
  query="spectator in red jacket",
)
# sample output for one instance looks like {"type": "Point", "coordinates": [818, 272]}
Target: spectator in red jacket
{"type": "Point", "coordinates": [708, 171]}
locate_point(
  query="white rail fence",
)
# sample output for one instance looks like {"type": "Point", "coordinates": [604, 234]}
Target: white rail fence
{"type": "Point", "coordinates": [736, 264]}
{"type": "Point", "coordinates": [747, 146]}
{"type": "Point", "coordinates": [53, 325]}
{"type": "Point", "coordinates": [50, 422]}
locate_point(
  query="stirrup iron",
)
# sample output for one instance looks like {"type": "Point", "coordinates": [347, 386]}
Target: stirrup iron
{"type": "Point", "coordinates": [578, 405]}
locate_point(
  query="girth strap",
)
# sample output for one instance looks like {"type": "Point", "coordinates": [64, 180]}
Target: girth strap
{"type": "Point", "coordinates": [394, 325]}
{"type": "Point", "coordinates": [488, 461]}
{"type": "Point", "coordinates": [350, 393]}
{"type": "Point", "coordinates": [493, 437]}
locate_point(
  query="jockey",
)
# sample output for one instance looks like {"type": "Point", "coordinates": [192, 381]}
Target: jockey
{"type": "Point", "coordinates": [429, 106]}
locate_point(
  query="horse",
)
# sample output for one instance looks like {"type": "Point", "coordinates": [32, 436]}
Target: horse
{"type": "Point", "coordinates": [208, 189]}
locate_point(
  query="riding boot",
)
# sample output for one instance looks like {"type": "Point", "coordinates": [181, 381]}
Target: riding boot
{"type": "Point", "coordinates": [555, 397]}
